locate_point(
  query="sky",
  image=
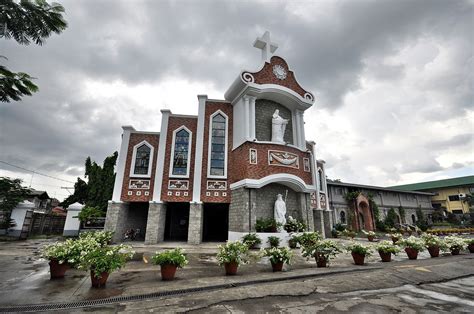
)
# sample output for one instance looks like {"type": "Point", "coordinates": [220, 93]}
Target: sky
{"type": "Point", "coordinates": [393, 82]}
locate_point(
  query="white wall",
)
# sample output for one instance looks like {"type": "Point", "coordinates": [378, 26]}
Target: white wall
{"type": "Point", "coordinates": [72, 224]}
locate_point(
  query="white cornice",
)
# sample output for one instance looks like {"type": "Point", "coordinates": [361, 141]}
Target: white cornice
{"type": "Point", "coordinates": [290, 180]}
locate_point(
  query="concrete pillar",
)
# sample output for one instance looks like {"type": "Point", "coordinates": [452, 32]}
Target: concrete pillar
{"type": "Point", "coordinates": [155, 226]}
{"type": "Point", "coordinates": [116, 219]}
{"type": "Point", "coordinates": [318, 215]}
{"type": "Point", "coordinates": [195, 223]}
{"type": "Point", "coordinates": [305, 212]}
{"type": "Point", "coordinates": [72, 224]}
{"type": "Point", "coordinates": [327, 223]}
{"type": "Point", "coordinates": [239, 213]}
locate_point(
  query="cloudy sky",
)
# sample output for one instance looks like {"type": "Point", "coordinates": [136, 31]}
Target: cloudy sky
{"type": "Point", "coordinates": [393, 81]}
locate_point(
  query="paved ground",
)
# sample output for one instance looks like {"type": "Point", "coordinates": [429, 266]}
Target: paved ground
{"type": "Point", "coordinates": [426, 285]}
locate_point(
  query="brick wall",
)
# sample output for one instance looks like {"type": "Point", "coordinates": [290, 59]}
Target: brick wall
{"type": "Point", "coordinates": [266, 76]}
{"type": "Point", "coordinates": [264, 110]}
{"type": "Point", "coordinates": [135, 138]}
{"type": "Point", "coordinates": [209, 196]}
{"type": "Point", "coordinates": [174, 123]}
{"type": "Point", "coordinates": [242, 169]}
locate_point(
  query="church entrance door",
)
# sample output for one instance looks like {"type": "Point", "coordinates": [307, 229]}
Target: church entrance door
{"type": "Point", "coordinates": [177, 222]}
{"type": "Point", "coordinates": [215, 222]}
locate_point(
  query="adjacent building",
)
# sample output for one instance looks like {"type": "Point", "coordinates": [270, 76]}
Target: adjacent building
{"type": "Point", "coordinates": [450, 195]}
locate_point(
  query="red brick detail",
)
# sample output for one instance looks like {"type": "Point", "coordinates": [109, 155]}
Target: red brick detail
{"type": "Point", "coordinates": [242, 169]}
{"type": "Point", "coordinates": [266, 76]}
{"type": "Point", "coordinates": [174, 123]}
{"type": "Point", "coordinates": [135, 138]}
{"type": "Point", "coordinates": [211, 108]}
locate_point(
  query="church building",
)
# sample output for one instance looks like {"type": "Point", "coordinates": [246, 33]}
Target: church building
{"type": "Point", "coordinates": [201, 177]}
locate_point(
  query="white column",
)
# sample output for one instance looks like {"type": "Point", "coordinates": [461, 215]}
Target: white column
{"type": "Point", "coordinates": [122, 159]}
{"type": "Point", "coordinates": [314, 165]}
{"type": "Point", "coordinates": [247, 117]}
{"type": "Point", "coordinates": [302, 133]}
{"type": "Point", "coordinates": [296, 129]}
{"type": "Point", "coordinates": [160, 157]}
{"type": "Point", "coordinates": [252, 117]}
{"type": "Point", "coordinates": [199, 149]}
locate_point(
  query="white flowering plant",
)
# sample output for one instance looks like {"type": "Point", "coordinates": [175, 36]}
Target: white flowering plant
{"type": "Point", "coordinates": [104, 259]}
{"type": "Point", "coordinates": [413, 243]}
{"type": "Point", "coordinates": [387, 247]}
{"type": "Point", "coordinates": [369, 233]}
{"type": "Point", "coordinates": [63, 252]}
{"type": "Point", "coordinates": [323, 249]}
{"type": "Point", "coordinates": [102, 237]}
{"type": "Point", "coordinates": [432, 240]}
{"type": "Point", "coordinates": [232, 252]}
{"type": "Point", "coordinates": [278, 254]}
{"type": "Point", "coordinates": [454, 243]}
{"type": "Point", "coordinates": [358, 248]}
{"type": "Point", "coordinates": [170, 257]}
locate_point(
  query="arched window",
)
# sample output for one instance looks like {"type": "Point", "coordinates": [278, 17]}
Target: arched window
{"type": "Point", "coordinates": [217, 164]}
{"type": "Point", "coordinates": [141, 160]}
{"type": "Point", "coordinates": [180, 152]}
{"type": "Point", "coordinates": [320, 180]}
{"type": "Point", "coordinates": [413, 219]}
{"type": "Point", "coordinates": [342, 216]}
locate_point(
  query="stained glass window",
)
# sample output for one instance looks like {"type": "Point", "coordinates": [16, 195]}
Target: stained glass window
{"type": "Point", "coordinates": [218, 152]}
{"type": "Point", "coordinates": [181, 150]}
{"type": "Point", "coordinates": [142, 160]}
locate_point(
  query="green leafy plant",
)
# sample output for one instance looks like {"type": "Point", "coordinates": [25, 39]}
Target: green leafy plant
{"type": "Point", "coordinates": [266, 225]}
{"type": "Point", "coordinates": [309, 238]}
{"type": "Point", "coordinates": [11, 194]}
{"type": "Point", "coordinates": [170, 257]}
{"type": "Point", "coordinates": [251, 239]}
{"type": "Point", "coordinates": [339, 227]}
{"type": "Point", "coordinates": [88, 213]}
{"type": "Point", "coordinates": [413, 243]}
{"type": "Point", "coordinates": [358, 248]}
{"type": "Point", "coordinates": [431, 240]}
{"type": "Point", "coordinates": [469, 241]}
{"type": "Point", "coordinates": [105, 259]}
{"type": "Point", "coordinates": [274, 241]}
{"type": "Point", "coordinates": [232, 252]}
{"type": "Point", "coordinates": [294, 225]}
{"type": "Point", "coordinates": [348, 234]}
{"type": "Point", "coordinates": [387, 247]}
{"type": "Point", "coordinates": [454, 243]}
{"type": "Point", "coordinates": [322, 249]}
{"type": "Point", "coordinates": [278, 255]}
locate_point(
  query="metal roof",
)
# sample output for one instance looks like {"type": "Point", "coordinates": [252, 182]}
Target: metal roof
{"type": "Point", "coordinates": [438, 184]}
{"type": "Point", "coordinates": [378, 188]}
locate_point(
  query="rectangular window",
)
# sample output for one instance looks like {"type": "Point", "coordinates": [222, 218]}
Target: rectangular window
{"type": "Point", "coordinates": [218, 145]}
{"type": "Point", "coordinates": [453, 198]}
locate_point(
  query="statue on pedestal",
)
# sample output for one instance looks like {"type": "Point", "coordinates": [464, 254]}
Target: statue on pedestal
{"type": "Point", "coordinates": [280, 211]}
{"type": "Point", "coordinates": [278, 127]}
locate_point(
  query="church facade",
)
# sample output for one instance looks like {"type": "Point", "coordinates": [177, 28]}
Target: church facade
{"type": "Point", "coordinates": [201, 177]}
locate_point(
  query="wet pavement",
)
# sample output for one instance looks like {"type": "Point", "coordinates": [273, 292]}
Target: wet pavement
{"type": "Point", "coordinates": [25, 274]}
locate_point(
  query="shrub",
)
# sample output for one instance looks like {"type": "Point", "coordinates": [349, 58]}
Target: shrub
{"type": "Point", "coordinates": [170, 257]}
{"type": "Point", "coordinates": [278, 255]}
{"type": "Point", "coordinates": [391, 218]}
{"type": "Point", "coordinates": [357, 248]}
{"type": "Point", "coordinates": [232, 252]}
{"type": "Point", "coordinates": [251, 239]}
{"type": "Point", "coordinates": [339, 227]}
{"type": "Point", "coordinates": [88, 213]}
{"type": "Point", "coordinates": [105, 259]}
{"type": "Point", "coordinates": [349, 234]}
{"type": "Point", "coordinates": [274, 241]}
{"type": "Point", "coordinates": [413, 243]}
{"type": "Point", "coordinates": [431, 240]}
{"type": "Point", "coordinates": [455, 243]}
{"type": "Point", "coordinates": [387, 247]}
{"type": "Point", "coordinates": [266, 225]}
{"type": "Point", "coordinates": [309, 238]}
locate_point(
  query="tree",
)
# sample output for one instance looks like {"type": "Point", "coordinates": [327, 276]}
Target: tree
{"type": "Point", "coordinates": [26, 22]}
{"type": "Point", "coordinates": [391, 219]}
{"type": "Point", "coordinates": [99, 187]}
{"type": "Point", "coordinates": [11, 193]}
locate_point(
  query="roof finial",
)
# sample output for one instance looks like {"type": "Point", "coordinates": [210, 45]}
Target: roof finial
{"type": "Point", "coordinates": [264, 43]}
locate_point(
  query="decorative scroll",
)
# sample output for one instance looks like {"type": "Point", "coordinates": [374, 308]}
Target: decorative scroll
{"type": "Point", "coordinates": [253, 156]}
{"type": "Point", "coordinates": [178, 184]}
{"type": "Point", "coordinates": [322, 200]}
{"type": "Point", "coordinates": [247, 77]}
{"type": "Point", "coordinates": [309, 96]}
{"type": "Point", "coordinates": [216, 185]}
{"type": "Point", "coordinates": [306, 166]}
{"type": "Point", "coordinates": [285, 159]}
{"type": "Point", "coordinates": [139, 184]}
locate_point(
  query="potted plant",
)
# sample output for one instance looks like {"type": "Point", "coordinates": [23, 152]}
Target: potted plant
{"type": "Point", "coordinates": [386, 249]}
{"type": "Point", "coordinates": [433, 243]}
{"type": "Point", "coordinates": [293, 225]}
{"type": "Point", "coordinates": [455, 244]}
{"type": "Point", "coordinates": [395, 236]}
{"type": "Point", "coordinates": [169, 261]}
{"type": "Point", "coordinates": [231, 255]}
{"type": "Point", "coordinates": [359, 252]}
{"type": "Point", "coordinates": [61, 256]}
{"type": "Point", "coordinates": [322, 251]}
{"type": "Point", "coordinates": [102, 237]}
{"type": "Point", "coordinates": [413, 246]}
{"type": "Point", "coordinates": [101, 261]}
{"type": "Point", "coordinates": [349, 233]}
{"type": "Point", "coordinates": [309, 238]}
{"type": "Point", "coordinates": [370, 235]}
{"type": "Point", "coordinates": [274, 241]}
{"type": "Point", "coordinates": [278, 257]}
{"type": "Point", "coordinates": [293, 241]}
{"type": "Point", "coordinates": [251, 240]}
{"type": "Point", "coordinates": [470, 244]}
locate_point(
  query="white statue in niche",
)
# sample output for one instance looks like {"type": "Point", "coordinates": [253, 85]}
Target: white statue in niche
{"type": "Point", "coordinates": [278, 127]}
{"type": "Point", "coordinates": [280, 211]}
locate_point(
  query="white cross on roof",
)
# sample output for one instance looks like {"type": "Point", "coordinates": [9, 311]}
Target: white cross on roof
{"type": "Point", "coordinates": [264, 43]}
